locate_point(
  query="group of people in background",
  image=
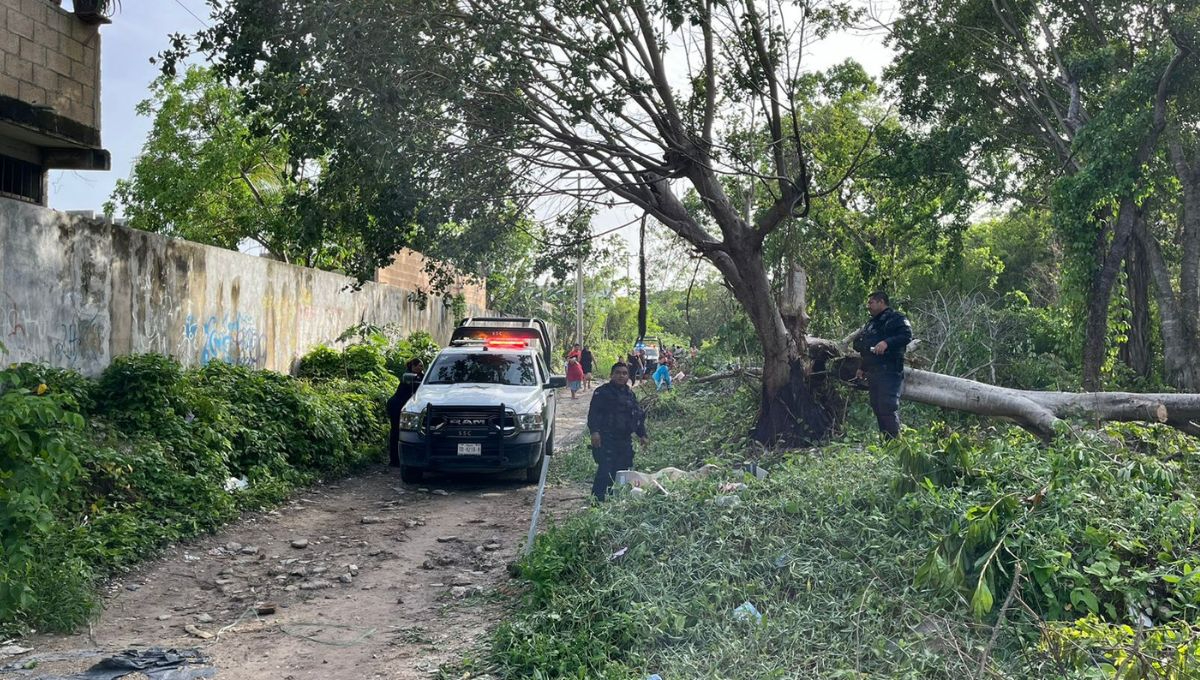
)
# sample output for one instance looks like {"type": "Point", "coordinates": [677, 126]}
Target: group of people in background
{"type": "Point", "coordinates": [580, 364]}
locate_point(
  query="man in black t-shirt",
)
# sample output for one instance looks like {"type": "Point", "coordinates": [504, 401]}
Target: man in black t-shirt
{"type": "Point", "coordinates": [588, 362]}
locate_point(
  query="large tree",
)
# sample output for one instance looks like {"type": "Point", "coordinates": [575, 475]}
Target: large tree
{"type": "Point", "coordinates": [208, 174]}
{"type": "Point", "coordinates": [639, 97]}
{"type": "Point", "coordinates": [454, 111]}
{"type": "Point", "coordinates": [1065, 101]}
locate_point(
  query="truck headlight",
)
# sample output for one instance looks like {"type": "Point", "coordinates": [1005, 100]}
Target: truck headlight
{"type": "Point", "coordinates": [530, 422]}
{"type": "Point", "coordinates": [410, 421]}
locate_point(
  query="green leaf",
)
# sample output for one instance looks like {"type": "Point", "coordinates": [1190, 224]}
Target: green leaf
{"type": "Point", "coordinates": [982, 600]}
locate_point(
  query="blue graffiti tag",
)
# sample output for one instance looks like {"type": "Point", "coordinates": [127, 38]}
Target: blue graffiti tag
{"type": "Point", "coordinates": [234, 339]}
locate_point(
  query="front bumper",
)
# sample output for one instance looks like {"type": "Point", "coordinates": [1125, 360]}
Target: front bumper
{"type": "Point", "coordinates": [520, 451]}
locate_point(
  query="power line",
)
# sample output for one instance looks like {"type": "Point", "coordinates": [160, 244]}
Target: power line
{"type": "Point", "coordinates": [189, 11]}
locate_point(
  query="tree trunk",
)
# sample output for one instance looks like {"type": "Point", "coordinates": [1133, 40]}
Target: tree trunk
{"type": "Point", "coordinates": [793, 303]}
{"type": "Point", "coordinates": [1040, 412]}
{"type": "Point", "coordinates": [795, 405]}
{"type": "Point", "coordinates": [1135, 351]}
{"type": "Point", "coordinates": [1187, 169]}
{"type": "Point", "coordinates": [1099, 298]}
{"type": "Point", "coordinates": [1181, 363]}
{"type": "Point", "coordinates": [1100, 292]}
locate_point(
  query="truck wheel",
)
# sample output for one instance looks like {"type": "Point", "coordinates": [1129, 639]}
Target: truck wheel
{"type": "Point", "coordinates": [534, 474]}
{"type": "Point", "coordinates": [411, 475]}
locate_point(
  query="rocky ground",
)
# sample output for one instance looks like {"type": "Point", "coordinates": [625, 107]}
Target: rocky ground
{"type": "Point", "coordinates": [363, 578]}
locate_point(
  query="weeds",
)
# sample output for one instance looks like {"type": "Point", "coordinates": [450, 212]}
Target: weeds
{"type": "Point", "coordinates": [960, 551]}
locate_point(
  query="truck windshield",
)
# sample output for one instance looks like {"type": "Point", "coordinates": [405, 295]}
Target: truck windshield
{"type": "Point", "coordinates": [485, 367]}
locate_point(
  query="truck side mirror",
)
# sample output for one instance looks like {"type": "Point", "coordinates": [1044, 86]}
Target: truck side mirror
{"type": "Point", "coordinates": [410, 379]}
{"type": "Point", "coordinates": [557, 381]}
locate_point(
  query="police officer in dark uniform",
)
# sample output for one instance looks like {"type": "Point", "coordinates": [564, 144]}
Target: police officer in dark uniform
{"type": "Point", "coordinates": [613, 418]}
{"type": "Point", "coordinates": [395, 405]}
{"type": "Point", "coordinates": [882, 343]}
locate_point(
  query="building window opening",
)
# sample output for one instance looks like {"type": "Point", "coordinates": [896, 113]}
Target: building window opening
{"type": "Point", "coordinates": [20, 180]}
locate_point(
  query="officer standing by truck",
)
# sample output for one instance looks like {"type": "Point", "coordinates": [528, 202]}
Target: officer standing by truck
{"type": "Point", "coordinates": [404, 392]}
{"type": "Point", "coordinates": [613, 418]}
{"type": "Point", "coordinates": [882, 344]}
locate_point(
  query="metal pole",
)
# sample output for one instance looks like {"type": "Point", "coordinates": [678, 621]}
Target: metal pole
{"type": "Point", "coordinates": [537, 503]}
{"type": "Point", "coordinates": [579, 302]}
{"type": "Point", "coordinates": [579, 270]}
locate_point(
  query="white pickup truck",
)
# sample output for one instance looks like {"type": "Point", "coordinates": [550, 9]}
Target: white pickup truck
{"type": "Point", "coordinates": [486, 404]}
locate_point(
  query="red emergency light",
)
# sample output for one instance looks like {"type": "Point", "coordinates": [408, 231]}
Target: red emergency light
{"type": "Point", "coordinates": [506, 343]}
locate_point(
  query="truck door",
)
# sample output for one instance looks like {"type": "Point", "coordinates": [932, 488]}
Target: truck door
{"type": "Point", "coordinates": [551, 395]}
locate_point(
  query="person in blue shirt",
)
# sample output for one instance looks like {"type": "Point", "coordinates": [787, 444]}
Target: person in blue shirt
{"type": "Point", "coordinates": [662, 375]}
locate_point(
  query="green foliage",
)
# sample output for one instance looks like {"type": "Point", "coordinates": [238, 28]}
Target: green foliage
{"type": "Point", "coordinates": [74, 392]}
{"type": "Point", "coordinates": [38, 443]}
{"type": "Point", "coordinates": [376, 354]}
{"type": "Point", "coordinates": [96, 475]}
{"type": "Point", "coordinates": [209, 172]}
{"type": "Point", "coordinates": [418, 345]}
{"type": "Point", "coordinates": [1123, 652]}
{"type": "Point", "coordinates": [321, 363]}
{"type": "Point", "coordinates": [870, 560]}
{"type": "Point", "coordinates": [1101, 524]}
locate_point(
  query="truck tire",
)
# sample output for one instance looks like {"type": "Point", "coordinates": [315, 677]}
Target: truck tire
{"type": "Point", "coordinates": [411, 475]}
{"type": "Point", "coordinates": [533, 474]}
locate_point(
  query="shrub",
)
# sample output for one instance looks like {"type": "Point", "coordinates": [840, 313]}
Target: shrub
{"type": "Point", "coordinates": [321, 363]}
{"type": "Point", "coordinates": [38, 440]}
{"type": "Point", "coordinates": [97, 475]}
{"type": "Point", "coordinates": [418, 345]}
{"type": "Point", "coordinates": [77, 392]}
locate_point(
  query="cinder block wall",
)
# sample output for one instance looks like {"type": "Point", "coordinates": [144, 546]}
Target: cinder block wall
{"type": "Point", "coordinates": [407, 270]}
{"type": "Point", "coordinates": [50, 58]}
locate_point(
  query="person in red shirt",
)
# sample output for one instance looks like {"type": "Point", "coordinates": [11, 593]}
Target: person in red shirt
{"type": "Point", "coordinates": [574, 375]}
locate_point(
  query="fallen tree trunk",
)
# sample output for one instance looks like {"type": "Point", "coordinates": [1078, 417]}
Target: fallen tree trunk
{"type": "Point", "coordinates": [755, 373]}
{"type": "Point", "coordinates": [1039, 412]}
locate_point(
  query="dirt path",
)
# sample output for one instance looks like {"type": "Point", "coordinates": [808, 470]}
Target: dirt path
{"type": "Point", "coordinates": [394, 581]}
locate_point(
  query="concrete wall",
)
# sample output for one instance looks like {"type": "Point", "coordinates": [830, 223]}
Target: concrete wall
{"type": "Point", "coordinates": [75, 293]}
{"type": "Point", "coordinates": [50, 58]}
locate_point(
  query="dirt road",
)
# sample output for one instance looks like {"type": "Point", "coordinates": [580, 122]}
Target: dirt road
{"type": "Point", "coordinates": [391, 581]}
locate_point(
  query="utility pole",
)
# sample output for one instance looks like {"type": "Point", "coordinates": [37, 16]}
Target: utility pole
{"type": "Point", "coordinates": [579, 272]}
{"type": "Point", "coordinates": [579, 301]}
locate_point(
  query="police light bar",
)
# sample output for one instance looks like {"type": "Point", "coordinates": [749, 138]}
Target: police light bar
{"type": "Point", "coordinates": [506, 343]}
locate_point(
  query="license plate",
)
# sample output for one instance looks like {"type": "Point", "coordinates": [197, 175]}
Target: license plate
{"type": "Point", "coordinates": [470, 449]}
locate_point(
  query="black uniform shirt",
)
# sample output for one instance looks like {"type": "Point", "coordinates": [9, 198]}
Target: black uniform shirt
{"type": "Point", "coordinates": [615, 411]}
{"type": "Point", "coordinates": [891, 327]}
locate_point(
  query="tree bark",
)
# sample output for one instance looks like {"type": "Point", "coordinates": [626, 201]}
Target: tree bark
{"type": "Point", "coordinates": [1187, 169]}
{"type": "Point", "coordinates": [794, 405]}
{"type": "Point", "coordinates": [1181, 363]}
{"type": "Point", "coordinates": [1099, 298]}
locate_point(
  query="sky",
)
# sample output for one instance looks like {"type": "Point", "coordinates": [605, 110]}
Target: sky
{"type": "Point", "coordinates": [140, 30]}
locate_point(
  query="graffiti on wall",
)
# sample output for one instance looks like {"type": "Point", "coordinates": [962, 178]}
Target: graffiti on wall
{"type": "Point", "coordinates": [232, 338]}
{"type": "Point", "coordinates": [69, 343]}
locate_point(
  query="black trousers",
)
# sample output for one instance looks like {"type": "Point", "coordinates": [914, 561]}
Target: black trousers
{"type": "Point", "coordinates": [884, 387]}
{"type": "Point", "coordinates": [615, 453]}
{"type": "Point", "coordinates": [393, 410]}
